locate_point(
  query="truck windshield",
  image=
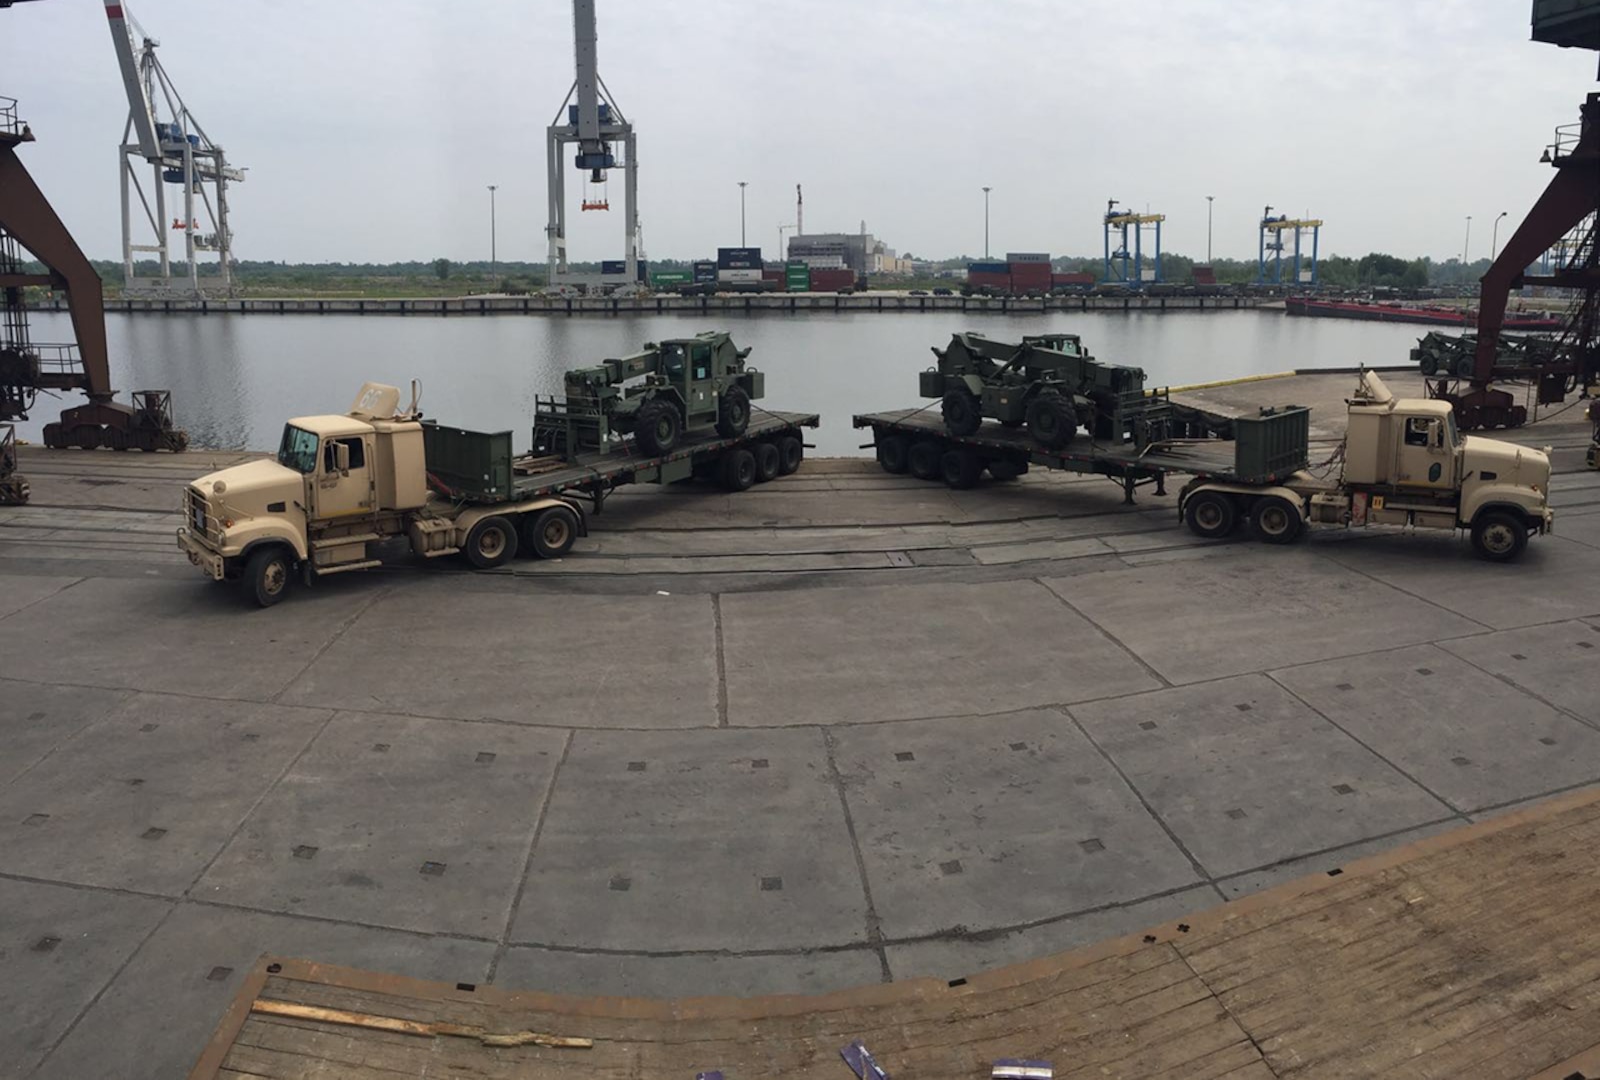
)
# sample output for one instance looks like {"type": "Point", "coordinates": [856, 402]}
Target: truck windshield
{"type": "Point", "coordinates": [298, 451]}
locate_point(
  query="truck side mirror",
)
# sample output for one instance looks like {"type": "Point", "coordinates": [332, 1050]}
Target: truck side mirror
{"type": "Point", "coordinates": [341, 458]}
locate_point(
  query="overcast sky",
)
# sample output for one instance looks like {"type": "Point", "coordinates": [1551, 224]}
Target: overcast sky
{"type": "Point", "coordinates": [371, 129]}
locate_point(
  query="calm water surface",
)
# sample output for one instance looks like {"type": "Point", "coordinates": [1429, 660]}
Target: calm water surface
{"type": "Point", "coordinates": [236, 378]}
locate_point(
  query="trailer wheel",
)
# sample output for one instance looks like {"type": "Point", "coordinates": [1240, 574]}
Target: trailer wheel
{"type": "Point", "coordinates": [657, 427]}
{"type": "Point", "coordinates": [733, 416]}
{"type": "Point", "coordinates": [892, 453]}
{"type": "Point", "coordinates": [738, 469]}
{"type": "Point", "coordinates": [961, 468]}
{"type": "Point", "coordinates": [1004, 470]}
{"type": "Point", "coordinates": [491, 542]}
{"type": "Point", "coordinates": [768, 461]}
{"type": "Point", "coordinates": [791, 452]}
{"type": "Point", "coordinates": [1274, 520]}
{"type": "Point", "coordinates": [962, 416]}
{"type": "Point", "coordinates": [924, 458]}
{"type": "Point", "coordinates": [550, 533]}
{"type": "Point", "coordinates": [1211, 514]}
{"type": "Point", "coordinates": [267, 575]}
{"type": "Point", "coordinates": [1050, 420]}
{"type": "Point", "coordinates": [1499, 536]}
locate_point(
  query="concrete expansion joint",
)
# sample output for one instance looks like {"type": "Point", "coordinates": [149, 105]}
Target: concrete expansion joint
{"type": "Point", "coordinates": [527, 861]}
{"type": "Point", "coordinates": [722, 661]}
{"type": "Point", "coordinates": [874, 923]}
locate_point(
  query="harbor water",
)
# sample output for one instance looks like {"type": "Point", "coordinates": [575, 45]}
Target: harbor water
{"type": "Point", "coordinates": [236, 378]}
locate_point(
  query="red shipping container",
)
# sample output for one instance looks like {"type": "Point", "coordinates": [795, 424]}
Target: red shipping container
{"type": "Point", "coordinates": [1076, 277]}
{"type": "Point", "coordinates": [831, 279]}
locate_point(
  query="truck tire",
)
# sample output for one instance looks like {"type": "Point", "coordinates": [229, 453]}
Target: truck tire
{"type": "Point", "coordinates": [1274, 521]}
{"type": "Point", "coordinates": [892, 452]}
{"type": "Point", "coordinates": [791, 452]}
{"type": "Point", "coordinates": [767, 461]}
{"type": "Point", "coordinates": [962, 416]}
{"type": "Point", "coordinates": [1211, 514]}
{"type": "Point", "coordinates": [961, 468]}
{"type": "Point", "coordinates": [1499, 535]}
{"type": "Point", "coordinates": [733, 414]}
{"type": "Point", "coordinates": [550, 533]}
{"type": "Point", "coordinates": [491, 542]}
{"type": "Point", "coordinates": [923, 459]}
{"type": "Point", "coordinates": [1050, 420]}
{"type": "Point", "coordinates": [738, 469]}
{"type": "Point", "coordinates": [268, 574]}
{"type": "Point", "coordinates": [658, 427]}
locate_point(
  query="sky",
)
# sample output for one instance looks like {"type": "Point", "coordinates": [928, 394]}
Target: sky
{"type": "Point", "coordinates": [372, 129]}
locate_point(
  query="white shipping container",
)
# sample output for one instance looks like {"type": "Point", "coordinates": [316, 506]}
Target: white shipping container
{"type": "Point", "coordinates": [738, 275]}
{"type": "Point", "coordinates": [824, 262]}
{"type": "Point", "coordinates": [1027, 256]}
{"type": "Point", "coordinates": [1147, 275]}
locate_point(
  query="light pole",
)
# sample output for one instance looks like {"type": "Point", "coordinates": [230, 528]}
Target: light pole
{"type": "Point", "coordinates": [1494, 237]}
{"type": "Point", "coordinates": [986, 222]}
{"type": "Point", "coordinates": [1208, 228]}
{"type": "Point", "coordinates": [492, 253]}
{"type": "Point", "coordinates": [742, 183]}
{"type": "Point", "coordinates": [781, 230]}
{"type": "Point", "coordinates": [1466, 243]}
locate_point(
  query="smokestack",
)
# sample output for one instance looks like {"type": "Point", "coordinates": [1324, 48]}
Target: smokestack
{"type": "Point", "coordinates": [799, 212]}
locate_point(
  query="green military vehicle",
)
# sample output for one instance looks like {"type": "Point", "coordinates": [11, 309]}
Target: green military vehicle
{"type": "Point", "coordinates": [685, 384]}
{"type": "Point", "coordinates": [1049, 382]}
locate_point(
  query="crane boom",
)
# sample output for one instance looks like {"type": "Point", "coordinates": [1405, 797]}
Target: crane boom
{"type": "Point", "coordinates": [141, 110]}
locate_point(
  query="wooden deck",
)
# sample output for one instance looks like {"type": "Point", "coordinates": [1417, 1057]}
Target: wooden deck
{"type": "Point", "coordinates": [1469, 955]}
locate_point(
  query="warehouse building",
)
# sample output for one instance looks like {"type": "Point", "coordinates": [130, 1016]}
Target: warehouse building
{"type": "Point", "coordinates": [861, 252]}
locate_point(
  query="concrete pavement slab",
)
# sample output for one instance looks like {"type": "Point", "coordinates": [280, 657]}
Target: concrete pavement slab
{"type": "Point", "coordinates": [996, 821]}
{"type": "Point", "coordinates": [182, 636]}
{"type": "Point", "coordinates": [895, 652]}
{"type": "Point", "coordinates": [59, 947]}
{"type": "Point", "coordinates": [1555, 662]}
{"type": "Point", "coordinates": [1199, 619]}
{"type": "Point", "coordinates": [1333, 860]}
{"type": "Point", "coordinates": [437, 649]}
{"type": "Point", "coordinates": [145, 798]}
{"type": "Point", "coordinates": [35, 719]}
{"type": "Point", "coordinates": [693, 975]}
{"type": "Point", "coordinates": [159, 1013]}
{"type": "Point", "coordinates": [725, 839]}
{"type": "Point", "coordinates": [955, 957]}
{"type": "Point", "coordinates": [395, 821]}
{"type": "Point", "coordinates": [1465, 735]}
{"type": "Point", "coordinates": [18, 591]}
{"type": "Point", "coordinates": [1246, 775]}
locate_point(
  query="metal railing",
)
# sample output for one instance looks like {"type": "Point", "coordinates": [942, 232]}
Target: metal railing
{"type": "Point", "coordinates": [1567, 136]}
{"type": "Point", "coordinates": [10, 122]}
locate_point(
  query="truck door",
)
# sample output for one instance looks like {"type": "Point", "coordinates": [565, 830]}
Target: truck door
{"type": "Point", "coordinates": [344, 478]}
{"type": "Point", "coordinates": [1422, 457]}
{"type": "Point", "coordinates": [699, 395]}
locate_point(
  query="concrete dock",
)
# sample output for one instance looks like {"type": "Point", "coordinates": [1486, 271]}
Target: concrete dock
{"type": "Point", "coordinates": [840, 729]}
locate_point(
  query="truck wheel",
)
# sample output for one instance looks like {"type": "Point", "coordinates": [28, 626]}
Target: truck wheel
{"type": "Point", "coordinates": [962, 416]}
{"type": "Point", "coordinates": [267, 575]}
{"type": "Point", "coordinates": [892, 453]}
{"type": "Point", "coordinates": [1211, 514]}
{"type": "Point", "coordinates": [1050, 421]}
{"type": "Point", "coordinates": [767, 461]}
{"type": "Point", "coordinates": [1274, 520]}
{"type": "Point", "coordinates": [550, 533]}
{"type": "Point", "coordinates": [923, 459]}
{"type": "Point", "coordinates": [738, 469]}
{"type": "Point", "coordinates": [491, 542]}
{"type": "Point", "coordinates": [961, 468]}
{"type": "Point", "coordinates": [791, 452]}
{"type": "Point", "coordinates": [1499, 536]}
{"type": "Point", "coordinates": [733, 416]}
{"type": "Point", "coordinates": [657, 427]}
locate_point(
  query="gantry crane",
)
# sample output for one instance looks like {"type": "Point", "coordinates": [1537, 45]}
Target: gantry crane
{"type": "Point", "coordinates": [1118, 269]}
{"type": "Point", "coordinates": [1271, 240]}
{"type": "Point", "coordinates": [590, 118]}
{"type": "Point", "coordinates": [179, 153]}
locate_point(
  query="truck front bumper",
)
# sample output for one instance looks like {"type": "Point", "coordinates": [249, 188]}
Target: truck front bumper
{"type": "Point", "coordinates": [199, 554]}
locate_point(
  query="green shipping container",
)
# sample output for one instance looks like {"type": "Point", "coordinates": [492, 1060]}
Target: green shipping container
{"type": "Point", "coordinates": [672, 277]}
{"type": "Point", "coordinates": [798, 278]}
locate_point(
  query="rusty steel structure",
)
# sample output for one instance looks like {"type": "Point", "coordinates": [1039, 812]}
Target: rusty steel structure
{"type": "Point", "coordinates": [28, 224]}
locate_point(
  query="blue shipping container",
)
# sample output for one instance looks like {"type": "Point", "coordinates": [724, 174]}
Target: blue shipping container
{"type": "Point", "coordinates": [989, 267]}
{"type": "Point", "coordinates": [614, 266]}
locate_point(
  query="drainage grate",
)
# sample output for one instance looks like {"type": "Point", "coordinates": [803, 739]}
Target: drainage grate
{"type": "Point", "coordinates": [1148, 725]}
{"type": "Point", "coordinates": [951, 867]}
{"type": "Point", "coordinates": [899, 558]}
{"type": "Point", "coordinates": [904, 755]}
{"type": "Point", "coordinates": [433, 869]}
{"type": "Point", "coordinates": [152, 833]}
{"type": "Point", "coordinates": [1236, 813]}
{"type": "Point", "coordinates": [621, 884]}
{"type": "Point", "coordinates": [218, 974]}
{"type": "Point", "coordinates": [636, 766]}
{"type": "Point", "coordinates": [772, 884]}
{"type": "Point", "coordinates": [484, 757]}
{"type": "Point", "coordinates": [1344, 789]}
{"type": "Point", "coordinates": [758, 763]}
{"type": "Point", "coordinates": [305, 851]}
{"type": "Point", "coordinates": [1092, 845]}
{"type": "Point", "coordinates": [45, 944]}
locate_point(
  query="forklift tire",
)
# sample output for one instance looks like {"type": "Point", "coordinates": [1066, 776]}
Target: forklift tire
{"type": "Point", "coordinates": [733, 415]}
{"type": "Point", "coordinates": [550, 533]}
{"type": "Point", "coordinates": [1274, 521]}
{"type": "Point", "coordinates": [791, 452]}
{"type": "Point", "coordinates": [961, 468]}
{"type": "Point", "coordinates": [923, 459]}
{"type": "Point", "coordinates": [962, 416]}
{"type": "Point", "coordinates": [1430, 365]}
{"type": "Point", "coordinates": [1051, 421]}
{"type": "Point", "coordinates": [268, 574]}
{"type": "Point", "coordinates": [1499, 536]}
{"type": "Point", "coordinates": [491, 542]}
{"type": "Point", "coordinates": [738, 469]}
{"type": "Point", "coordinates": [1211, 514]}
{"type": "Point", "coordinates": [657, 427]}
{"type": "Point", "coordinates": [767, 461]}
{"type": "Point", "coordinates": [892, 453]}
{"type": "Point", "coordinates": [1464, 367]}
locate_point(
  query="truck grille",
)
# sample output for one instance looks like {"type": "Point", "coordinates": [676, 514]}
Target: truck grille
{"type": "Point", "coordinates": [194, 511]}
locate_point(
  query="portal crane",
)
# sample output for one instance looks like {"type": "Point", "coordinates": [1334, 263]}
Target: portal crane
{"type": "Point", "coordinates": [593, 121]}
{"type": "Point", "coordinates": [179, 153]}
{"type": "Point", "coordinates": [1122, 222]}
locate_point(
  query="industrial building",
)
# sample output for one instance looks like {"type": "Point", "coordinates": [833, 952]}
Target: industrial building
{"type": "Point", "coordinates": [858, 251]}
